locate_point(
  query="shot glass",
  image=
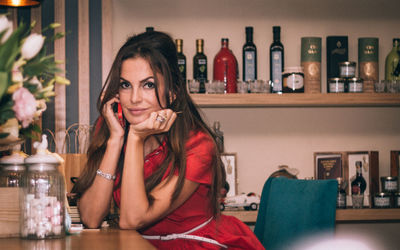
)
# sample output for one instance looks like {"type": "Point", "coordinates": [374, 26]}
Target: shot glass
{"type": "Point", "coordinates": [255, 86]}
{"type": "Point", "coordinates": [242, 87]}
{"type": "Point", "coordinates": [210, 89]}
{"type": "Point", "coordinates": [194, 86]}
{"type": "Point", "coordinates": [265, 86]}
{"type": "Point", "coordinates": [391, 86]}
{"type": "Point", "coordinates": [219, 87]}
{"type": "Point", "coordinates": [380, 86]}
{"type": "Point", "coordinates": [357, 200]}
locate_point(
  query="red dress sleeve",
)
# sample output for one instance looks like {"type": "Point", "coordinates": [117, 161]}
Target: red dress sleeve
{"type": "Point", "coordinates": [200, 151]}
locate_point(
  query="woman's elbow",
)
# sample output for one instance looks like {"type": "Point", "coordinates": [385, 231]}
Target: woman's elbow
{"type": "Point", "coordinates": [134, 224]}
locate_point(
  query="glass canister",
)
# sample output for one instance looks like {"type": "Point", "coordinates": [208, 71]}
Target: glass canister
{"type": "Point", "coordinates": [12, 169]}
{"type": "Point", "coordinates": [42, 204]}
{"type": "Point", "coordinates": [389, 184]}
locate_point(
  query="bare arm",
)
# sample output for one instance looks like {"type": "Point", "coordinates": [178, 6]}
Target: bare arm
{"type": "Point", "coordinates": [95, 202]}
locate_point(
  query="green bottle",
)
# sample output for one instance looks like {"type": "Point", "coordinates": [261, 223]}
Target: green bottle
{"type": "Point", "coordinates": [392, 65]}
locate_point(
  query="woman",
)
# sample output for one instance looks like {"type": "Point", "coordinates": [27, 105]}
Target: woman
{"type": "Point", "coordinates": [160, 163]}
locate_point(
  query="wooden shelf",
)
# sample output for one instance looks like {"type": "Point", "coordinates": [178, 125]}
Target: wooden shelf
{"type": "Point", "coordinates": [298, 100]}
{"type": "Point", "coordinates": [342, 215]}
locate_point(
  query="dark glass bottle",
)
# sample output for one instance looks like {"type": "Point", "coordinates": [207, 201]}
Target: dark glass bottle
{"type": "Point", "coordinates": [276, 61]}
{"type": "Point", "coordinates": [341, 198]}
{"type": "Point", "coordinates": [181, 59]}
{"type": "Point", "coordinates": [392, 63]}
{"type": "Point", "coordinates": [249, 57]}
{"type": "Point", "coordinates": [358, 185]}
{"type": "Point", "coordinates": [226, 67]}
{"type": "Point", "coordinates": [149, 29]}
{"type": "Point", "coordinates": [200, 65]}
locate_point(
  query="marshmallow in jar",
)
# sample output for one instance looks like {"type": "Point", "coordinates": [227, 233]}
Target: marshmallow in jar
{"type": "Point", "coordinates": [42, 209]}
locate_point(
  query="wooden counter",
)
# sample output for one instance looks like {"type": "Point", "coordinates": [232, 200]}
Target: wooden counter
{"type": "Point", "coordinates": [87, 240]}
{"type": "Point", "coordinates": [342, 215]}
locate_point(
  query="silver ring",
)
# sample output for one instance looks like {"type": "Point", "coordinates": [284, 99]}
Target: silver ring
{"type": "Point", "coordinates": [160, 118]}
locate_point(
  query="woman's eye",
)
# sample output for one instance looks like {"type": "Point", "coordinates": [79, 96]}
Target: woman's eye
{"type": "Point", "coordinates": [124, 84]}
{"type": "Point", "coordinates": [149, 85]}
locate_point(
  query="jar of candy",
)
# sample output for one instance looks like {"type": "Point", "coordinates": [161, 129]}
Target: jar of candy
{"type": "Point", "coordinates": [42, 208]}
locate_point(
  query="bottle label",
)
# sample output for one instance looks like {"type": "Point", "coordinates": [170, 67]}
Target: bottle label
{"type": "Point", "coordinates": [341, 201]}
{"type": "Point", "coordinates": [355, 87]}
{"type": "Point", "coordinates": [390, 185]}
{"type": "Point", "coordinates": [202, 61]}
{"type": "Point", "coordinates": [382, 201]}
{"type": "Point", "coordinates": [277, 71]}
{"type": "Point", "coordinates": [294, 82]}
{"type": "Point", "coordinates": [250, 65]}
{"type": "Point", "coordinates": [181, 61]}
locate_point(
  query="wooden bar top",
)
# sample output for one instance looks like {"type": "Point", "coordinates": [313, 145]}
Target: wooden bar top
{"type": "Point", "coordinates": [88, 239]}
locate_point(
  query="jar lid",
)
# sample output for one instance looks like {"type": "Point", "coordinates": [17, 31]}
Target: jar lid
{"type": "Point", "coordinates": [347, 64]}
{"type": "Point", "coordinates": [294, 69]}
{"type": "Point", "coordinates": [355, 79]}
{"type": "Point", "coordinates": [42, 155]}
{"type": "Point", "coordinates": [336, 79]}
{"type": "Point", "coordinates": [381, 194]}
{"type": "Point", "coordinates": [389, 178]}
{"type": "Point", "coordinates": [15, 158]}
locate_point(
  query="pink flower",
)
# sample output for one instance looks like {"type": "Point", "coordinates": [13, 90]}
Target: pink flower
{"type": "Point", "coordinates": [24, 106]}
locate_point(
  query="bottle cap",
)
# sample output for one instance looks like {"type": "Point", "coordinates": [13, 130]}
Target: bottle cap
{"type": "Point", "coordinates": [224, 40]}
{"type": "Point", "coordinates": [396, 39]}
{"type": "Point", "coordinates": [276, 29]}
{"type": "Point", "coordinates": [149, 29]}
{"type": "Point", "coordinates": [199, 42]}
{"type": "Point", "coordinates": [249, 29]}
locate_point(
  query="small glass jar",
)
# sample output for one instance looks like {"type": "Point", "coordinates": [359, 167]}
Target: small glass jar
{"type": "Point", "coordinates": [389, 184]}
{"type": "Point", "coordinates": [42, 204]}
{"type": "Point", "coordinates": [12, 170]}
{"type": "Point", "coordinates": [382, 200]}
{"type": "Point", "coordinates": [347, 69]}
{"type": "Point", "coordinates": [293, 80]}
{"type": "Point", "coordinates": [336, 85]}
{"type": "Point", "coordinates": [355, 85]}
{"type": "Point", "coordinates": [396, 200]}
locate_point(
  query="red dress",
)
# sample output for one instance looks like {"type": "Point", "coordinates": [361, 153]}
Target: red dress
{"type": "Point", "coordinates": [226, 230]}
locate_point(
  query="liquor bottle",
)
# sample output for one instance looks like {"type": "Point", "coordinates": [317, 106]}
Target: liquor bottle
{"type": "Point", "coordinates": [276, 61]}
{"type": "Point", "coordinates": [200, 65]}
{"type": "Point", "coordinates": [341, 198]}
{"type": "Point", "coordinates": [225, 67]}
{"type": "Point", "coordinates": [149, 29]}
{"type": "Point", "coordinates": [181, 59]}
{"type": "Point", "coordinates": [249, 57]}
{"type": "Point", "coordinates": [337, 51]}
{"type": "Point", "coordinates": [392, 65]}
{"type": "Point", "coordinates": [358, 185]}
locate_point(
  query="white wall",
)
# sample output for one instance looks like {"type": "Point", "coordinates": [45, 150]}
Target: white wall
{"type": "Point", "coordinates": [267, 137]}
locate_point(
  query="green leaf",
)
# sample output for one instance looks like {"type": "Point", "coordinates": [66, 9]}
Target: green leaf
{"type": "Point", "coordinates": [11, 49]}
{"type": "Point", "coordinates": [29, 132]}
{"type": "Point", "coordinates": [3, 83]}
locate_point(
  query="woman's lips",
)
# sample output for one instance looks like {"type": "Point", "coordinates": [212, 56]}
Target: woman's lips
{"type": "Point", "coordinates": [137, 111]}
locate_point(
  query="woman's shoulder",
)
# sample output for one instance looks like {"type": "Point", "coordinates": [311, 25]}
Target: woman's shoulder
{"type": "Point", "coordinates": [199, 137]}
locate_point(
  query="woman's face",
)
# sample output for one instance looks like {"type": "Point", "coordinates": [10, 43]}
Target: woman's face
{"type": "Point", "coordinates": [137, 92]}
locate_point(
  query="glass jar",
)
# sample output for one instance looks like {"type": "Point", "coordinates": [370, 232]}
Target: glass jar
{"type": "Point", "coordinates": [347, 69]}
{"type": "Point", "coordinates": [12, 169]}
{"type": "Point", "coordinates": [293, 80]}
{"type": "Point", "coordinates": [382, 200]}
{"type": "Point", "coordinates": [389, 184]}
{"type": "Point", "coordinates": [397, 200]}
{"type": "Point", "coordinates": [42, 208]}
{"type": "Point", "coordinates": [336, 85]}
{"type": "Point", "coordinates": [355, 85]}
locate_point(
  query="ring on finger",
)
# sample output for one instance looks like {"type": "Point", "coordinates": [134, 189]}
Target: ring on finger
{"type": "Point", "coordinates": [161, 118]}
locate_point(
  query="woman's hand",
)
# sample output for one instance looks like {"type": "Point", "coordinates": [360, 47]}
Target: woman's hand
{"type": "Point", "coordinates": [116, 130]}
{"type": "Point", "coordinates": [158, 122]}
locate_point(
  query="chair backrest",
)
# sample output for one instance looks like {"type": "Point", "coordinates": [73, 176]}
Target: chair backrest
{"type": "Point", "coordinates": [291, 209]}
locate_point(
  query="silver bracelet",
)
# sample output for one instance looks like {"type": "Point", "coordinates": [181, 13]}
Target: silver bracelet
{"type": "Point", "coordinates": [105, 175]}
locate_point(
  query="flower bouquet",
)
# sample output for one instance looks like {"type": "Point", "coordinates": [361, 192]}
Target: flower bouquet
{"type": "Point", "coordinates": [27, 78]}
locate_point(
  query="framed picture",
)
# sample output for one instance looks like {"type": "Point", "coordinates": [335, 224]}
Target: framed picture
{"type": "Point", "coordinates": [395, 163]}
{"type": "Point", "coordinates": [229, 161]}
{"type": "Point", "coordinates": [329, 165]}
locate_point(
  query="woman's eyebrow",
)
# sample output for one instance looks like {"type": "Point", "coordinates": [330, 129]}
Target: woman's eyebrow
{"type": "Point", "coordinates": [142, 81]}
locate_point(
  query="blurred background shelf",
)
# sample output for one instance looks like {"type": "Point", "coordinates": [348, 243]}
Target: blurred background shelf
{"type": "Point", "coordinates": [298, 100]}
{"type": "Point", "coordinates": [342, 215]}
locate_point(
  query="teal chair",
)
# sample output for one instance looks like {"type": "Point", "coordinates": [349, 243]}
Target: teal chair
{"type": "Point", "coordinates": [291, 210]}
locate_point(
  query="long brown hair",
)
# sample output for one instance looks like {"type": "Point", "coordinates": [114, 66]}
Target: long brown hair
{"type": "Point", "coordinates": [159, 50]}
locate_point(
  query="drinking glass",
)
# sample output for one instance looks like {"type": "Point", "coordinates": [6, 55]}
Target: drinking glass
{"type": "Point", "coordinates": [358, 200]}
{"type": "Point", "coordinates": [391, 86]}
{"type": "Point", "coordinates": [379, 86]}
{"type": "Point", "coordinates": [210, 87]}
{"type": "Point", "coordinates": [219, 87]}
{"type": "Point", "coordinates": [242, 87]}
{"type": "Point", "coordinates": [194, 86]}
{"type": "Point", "coordinates": [255, 86]}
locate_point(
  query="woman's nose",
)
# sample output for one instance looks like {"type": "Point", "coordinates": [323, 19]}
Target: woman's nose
{"type": "Point", "coordinates": [136, 95]}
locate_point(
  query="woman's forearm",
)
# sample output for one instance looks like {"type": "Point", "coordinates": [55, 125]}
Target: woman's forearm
{"type": "Point", "coordinates": [134, 201]}
{"type": "Point", "coordinates": [95, 202]}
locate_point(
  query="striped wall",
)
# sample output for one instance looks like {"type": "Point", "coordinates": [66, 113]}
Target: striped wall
{"type": "Point", "coordinates": [86, 51]}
